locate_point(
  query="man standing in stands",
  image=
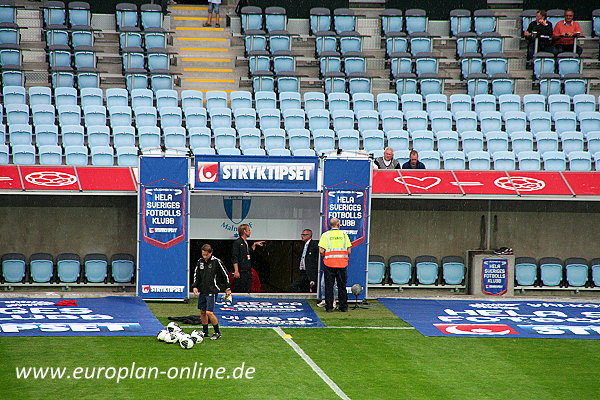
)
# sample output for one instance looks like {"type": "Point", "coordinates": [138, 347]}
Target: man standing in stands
{"type": "Point", "coordinates": [210, 277]}
{"type": "Point", "coordinates": [240, 257]}
{"type": "Point", "coordinates": [387, 161]}
{"type": "Point", "coordinates": [309, 264]}
{"type": "Point", "coordinates": [565, 33]}
{"type": "Point", "coordinates": [541, 30]}
{"type": "Point", "coordinates": [414, 162]}
{"type": "Point", "coordinates": [214, 5]}
{"type": "Point", "coordinates": [335, 247]}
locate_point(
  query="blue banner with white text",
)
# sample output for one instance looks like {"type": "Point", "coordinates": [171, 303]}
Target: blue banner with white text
{"type": "Point", "coordinates": [256, 173]}
{"type": "Point", "coordinates": [163, 228]}
{"type": "Point", "coordinates": [494, 276]}
{"type": "Point", "coordinates": [511, 319]}
{"type": "Point", "coordinates": [346, 196]}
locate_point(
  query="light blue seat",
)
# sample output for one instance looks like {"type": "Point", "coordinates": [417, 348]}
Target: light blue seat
{"type": "Point", "coordinates": [161, 80]}
{"type": "Point", "coordinates": [94, 115]}
{"type": "Point", "coordinates": [290, 101]}
{"type": "Point", "coordinates": [479, 160]}
{"type": "Point", "coordinates": [420, 42]}
{"type": "Point", "coordinates": [200, 137]}
{"type": "Point", "coordinates": [376, 270]}
{"type": "Point", "coordinates": [477, 84]}
{"type": "Point", "coordinates": [13, 76]}
{"type": "Point", "coordinates": [575, 84]}
{"type": "Point", "coordinates": [338, 101]}
{"type": "Point", "coordinates": [76, 155]}
{"type": "Point", "coordinates": [91, 97]}
{"type": "Point", "coordinates": [551, 271]}
{"type": "Point", "coordinates": [496, 141]}
{"type": "Point", "coordinates": [274, 138]}
{"type": "Point", "coordinates": [41, 267]}
{"type": "Point", "coordinates": [123, 136]}
{"type": "Point", "coordinates": [350, 42]}
{"type": "Point", "coordinates": [319, 20]}
{"type": "Point", "coordinates": [95, 267]}
{"type": "Point", "coordinates": [136, 79]}
{"type": "Point", "coordinates": [539, 121]}
{"type": "Point", "coordinates": [363, 101]}
{"type": "Point", "coordinates": [564, 121]}
{"type": "Point", "coordinates": [400, 269]}
{"type": "Point", "coordinates": [395, 42]}
{"type": "Point", "coordinates": [251, 18]}
{"type": "Point", "coordinates": [166, 98]}
{"type": "Point", "coordinates": [447, 141]}
{"type": "Point", "coordinates": [195, 117]}
{"type": "Point", "coordinates": [502, 84]}
{"type": "Point", "coordinates": [342, 119]}
{"type": "Point", "coordinates": [20, 134]}
{"type": "Point", "coordinates": [460, 21]}
{"type": "Point", "coordinates": [250, 138]}
{"type": "Point", "coordinates": [283, 62]}
{"type": "Point", "coordinates": [280, 152]}
{"type": "Point", "coordinates": [40, 95]}
{"type": "Point", "coordinates": [595, 268]}
{"type": "Point", "coordinates": [421, 139]}
{"type": "Point", "coordinates": [43, 114]}
{"type": "Point", "coordinates": [172, 117]}
{"type": "Point", "coordinates": [589, 121]}
{"type": "Point", "coordinates": [149, 138]}
{"type": "Point", "coordinates": [119, 115]}
{"type": "Point", "coordinates": [98, 135]}
{"type": "Point", "coordinates": [82, 36]}
{"type": "Point", "coordinates": [431, 159]}
{"type": "Point", "coordinates": [304, 153]}
{"type": "Point", "coordinates": [559, 103]}
{"type": "Point", "coordinates": [216, 99]}
{"type": "Point", "coordinates": [367, 120]}
{"type": "Point", "coordinates": [14, 95]}
{"type": "Point", "coordinates": [323, 140]}
{"type": "Point", "coordinates": [546, 141]}
{"type": "Point", "coordinates": [23, 154]}
{"type": "Point", "coordinates": [269, 118]}
{"type": "Point", "coordinates": [265, 99]}
{"type": "Point", "coordinates": [577, 270]}
{"type": "Point", "coordinates": [373, 140]}
{"type": "Point", "coordinates": [225, 138]}
{"type": "Point", "coordinates": [240, 99]}
{"type": "Point", "coordinates": [68, 267]}
{"type": "Point", "coordinates": [526, 271]}
{"type": "Point", "coordinates": [191, 99]}
{"type": "Point", "coordinates": [46, 135]}
{"type": "Point", "coordinates": [440, 121]}
{"type": "Point", "coordinates": [263, 81]}
{"type": "Point", "coordinates": [509, 102]}
{"type": "Point", "coordinates": [204, 151]}
{"type": "Point", "coordinates": [175, 138]}
{"type": "Point", "coordinates": [543, 63]}
{"type": "Point", "coordinates": [69, 115]}
{"type": "Point", "coordinates": [571, 141]}
{"type": "Point", "coordinates": [344, 20]}
{"type": "Point", "coordinates": [391, 20]}
{"type": "Point", "coordinates": [314, 101]}
{"type": "Point", "coordinates": [131, 37]}
{"type": "Point", "coordinates": [406, 84]}
{"type": "Point", "coordinates": [397, 139]}
{"type": "Point", "coordinates": [280, 41]}
{"type": "Point", "coordinates": [151, 16]}
{"type": "Point", "coordinates": [79, 13]}
{"type": "Point", "coordinates": [348, 139]}
{"type": "Point", "coordinates": [465, 121]}
{"type": "Point", "coordinates": [471, 141]}
{"type": "Point", "coordinates": [593, 142]}
{"type": "Point", "coordinates": [580, 161]}
{"type": "Point", "coordinates": [326, 41]}
{"type": "Point", "coordinates": [318, 119]}
{"type": "Point", "coordinates": [416, 20]}
{"type": "Point", "coordinates": [466, 42]}
{"type": "Point", "coordinates": [411, 102]}
{"type": "Point", "coordinates": [358, 83]}
{"type": "Point", "coordinates": [392, 120]}
{"type": "Point", "coordinates": [294, 119]}
{"type": "Point", "coordinates": [460, 102]}
{"type": "Point", "coordinates": [484, 21]}
{"type": "Point", "coordinates": [427, 270]}
{"type": "Point", "coordinates": [4, 154]}
{"type": "Point", "coordinates": [416, 120]}
{"type": "Point", "coordinates": [50, 154]}
{"type": "Point", "coordinates": [568, 63]}
{"type": "Point", "coordinates": [13, 268]}
{"type": "Point", "coordinates": [514, 121]}
{"type": "Point", "coordinates": [102, 155]}
{"type": "Point", "coordinates": [529, 161]}
{"type": "Point", "coordinates": [146, 116]}
{"type": "Point", "coordinates": [550, 84]}
{"type": "Point", "coordinates": [484, 102]}
{"type": "Point", "coordinates": [453, 270]}
{"type": "Point", "coordinates": [471, 63]}
{"type": "Point", "coordinates": [436, 102]}
{"type": "Point", "coordinates": [229, 151]}
{"type": "Point", "coordinates": [504, 161]}
{"type": "Point", "coordinates": [122, 268]}
{"type": "Point", "coordinates": [116, 97]}
{"type": "Point", "coordinates": [584, 102]}
{"type": "Point", "coordinates": [533, 102]}
{"type": "Point", "coordinates": [454, 160]}
{"type": "Point", "coordinates": [402, 156]}
{"type": "Point", "coordinates": [495, 63]}
{"type": "Point", "coordinates": [245, 118]}
{"type": "Point", "coordinates": [387, 101]}
{"type": "Point", "coordinates": [54, 13]}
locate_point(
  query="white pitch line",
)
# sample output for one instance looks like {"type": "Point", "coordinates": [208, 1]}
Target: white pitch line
{"type": "Point", "coordinates": [313, 365]}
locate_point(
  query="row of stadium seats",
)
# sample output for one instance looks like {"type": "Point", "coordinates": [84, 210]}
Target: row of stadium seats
{"type": "Point", "coordinates": [425, 270]}
{"type": "Point", "coordinates": [554, 272]}
{"type": "Point", "coordinates": [67, 268]}
{"type": "Point", "coordinates": [192, 99]}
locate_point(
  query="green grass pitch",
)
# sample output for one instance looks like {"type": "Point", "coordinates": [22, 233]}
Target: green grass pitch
{"type": "Point", "coordinates": [256, 363]}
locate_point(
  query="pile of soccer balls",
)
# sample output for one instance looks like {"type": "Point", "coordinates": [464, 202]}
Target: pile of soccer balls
{"type": "Point", "coordinates": [174, 334]}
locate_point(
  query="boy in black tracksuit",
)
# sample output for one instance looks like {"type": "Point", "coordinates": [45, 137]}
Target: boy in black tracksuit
{"type": "Point", "coordinates": [210, 277]}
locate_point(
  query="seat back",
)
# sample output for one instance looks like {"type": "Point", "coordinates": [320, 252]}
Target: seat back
{"type": "Point", "coordinates": [122, 268]}
{"type": "Point", "coordinates": [551, 271]}
{"type": "Point", "coordinates": [13, 267]}
{"type": "Point", "coordinates": [41, 267]}
{"type": "Point", "coordinates": [95, 267]}
{"type": "Point", "coordinates": [427, 269]}
{"type": "Point", "coordinates": [376, 269]}
{"type": "Point", "coordinates": [68, 267]}
{"type": "Point", "coordinates": [453, 270]}
{"type": "Point", "coordinates": [526, 271]}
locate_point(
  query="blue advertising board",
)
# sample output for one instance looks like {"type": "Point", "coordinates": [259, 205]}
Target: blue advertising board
{"type": "Point", "coordinates": [510, 319]}
{"type": "Point", "coordinates": [256, 173]}
{"type": "Point", "coordinates": [346, 196]}
{"type": "Point", "coordinates": [494, 276]}
{"type": "Point", "coordinates": [163, 228]}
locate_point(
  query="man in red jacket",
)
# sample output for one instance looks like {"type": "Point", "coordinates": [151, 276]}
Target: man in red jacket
{"type": "Point", "coordinates": [564, 35]}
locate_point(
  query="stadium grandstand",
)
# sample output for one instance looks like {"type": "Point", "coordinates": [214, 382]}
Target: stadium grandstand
{"type": "Point", "coordinates": [88, 85]}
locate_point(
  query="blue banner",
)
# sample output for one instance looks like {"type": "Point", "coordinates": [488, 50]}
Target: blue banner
{"type": "Point", "coordinates": [256, 173]}
{"type": "Point", "coordinates": [494, 276]}
{"type": "Point", "coordinates": [346, 196]}
{"type": "Point", "coordinates": [106, 316]}
{"type": "Point", "coordinates": [511, 319]}
{"type": "Point", "coordinates": [163, 228]}
{"type": "Point", "coordinates": [250, 311]}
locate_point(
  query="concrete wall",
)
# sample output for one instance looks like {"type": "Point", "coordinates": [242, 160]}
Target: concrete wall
{"type": "Point", "coordinates": [68, 224]}
{"type": "Point", "coordinates": [451, 227]}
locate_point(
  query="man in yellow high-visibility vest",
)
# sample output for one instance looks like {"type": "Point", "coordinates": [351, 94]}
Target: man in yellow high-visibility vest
{"type": "Point", "coordinates": [335, 247]}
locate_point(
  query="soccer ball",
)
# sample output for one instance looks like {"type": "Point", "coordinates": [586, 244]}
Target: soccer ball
{"type": "Point", "coordinates": [186, 343]}
{"type": "Point", "coordinates": [170, 337]}
{"type": "Point", "coordinates": [173, 327]}
{"type": "Point", "coordinates": [197, 336]}
{"type": "Point", "coordinates": [162, 334]}
{"type": "Point", "coordinates": [182, 335]}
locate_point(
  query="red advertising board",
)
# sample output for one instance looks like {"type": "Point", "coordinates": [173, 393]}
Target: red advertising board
{"type": "Point", "coordinates": [49, 178]}
{"type": "Point", "coordinates": [10, 178]}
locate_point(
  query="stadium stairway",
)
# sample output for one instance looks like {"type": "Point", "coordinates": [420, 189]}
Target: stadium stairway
{"type": "Point", "coordinates": [35, 64]}
{"type": "Point", "coordinates": [205, 58]}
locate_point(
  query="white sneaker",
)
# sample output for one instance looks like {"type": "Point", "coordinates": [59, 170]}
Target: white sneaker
{"type": "Point", "coordinates": [321, 304]}
{"type": "Point", "coordinates": [334, 304]}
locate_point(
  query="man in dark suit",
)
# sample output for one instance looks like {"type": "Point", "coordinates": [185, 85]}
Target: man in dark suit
{"type": "Point", "coordinates": [309, 265]}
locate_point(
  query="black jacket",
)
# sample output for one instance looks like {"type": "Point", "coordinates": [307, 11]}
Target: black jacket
{"type": "Point", "coordinates": [311, 260]}
{"type": "Point", "coordinates": [210, 277]}
{"type": "Point", "coordinates": [240, 250]}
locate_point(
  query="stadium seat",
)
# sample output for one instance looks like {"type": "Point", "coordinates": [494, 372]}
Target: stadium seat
{"type": "Point", "coordinates": [431, 159]}
{"type": "Point", "coordinates": [13, 268]}
{"type": "Point", "coordinates": [529, 161]}
{"type": "Point", "coordinates": [436, 102]}
{"type": "Point", "coordinates": [576, 269]}
{"type": "Point", "coordinates": [595, 268]}
{"type": "Point", "coordinates": [447, 141]}
{"type": "Point", "coordinates": [68, 267]}
{"type": "Point", "coordinates": [460, 102]}
{"type": "Point", "coordinates": [460, 21]}
{"type": "Point", "coordinates": [427, 270]}
{"type": "Point", "coordinates": [95, 268]}
{"type": "Point", "coordinates": [391, 20]}
{"type": "Point", "coordinates": [453, 270]}
{"type": "Point", "coordinates": [526, 271]}
{"type": "Point", "coordinates": [50, 154]}
{"type": "Point", "coordinates": [269, 118]}
{"type": "Point", "coordinates": [580, 160]}
{"type": "Point", "coordinates": [415, 20]}
{"type": "Point", "coordinates": [191, 99]}
{"type": "Point", "coordinates": [400, 269]}
{"type": "Point", "coordinates": [122, 268]}
{"type": "Point", "coordinates": [551, 271]}
{"type": "Point", "coordinates": [496, 141]}
{"type": "Point", "coordinates": [564, 121]}
{"type": "Point", "coordinates": [504, 160]}
{"type": "Point", "coordinates": [41, 267]}
{"type": "Point", "coordinates": [479, 160]}
{"type": "Point", "coordinates": [376, 269]}
{"type": "Point", "coordinates": [314, 101]}
{"type": "Point", "coordinates": [23, 154]}
{"type": "Point", "coordinates": [454, 160]}
{"type": "Point", "coordinates": [509, 102]}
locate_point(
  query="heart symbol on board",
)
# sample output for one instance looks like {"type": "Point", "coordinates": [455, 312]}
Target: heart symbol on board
{"type": "Point", "coordinates": [425, 183]}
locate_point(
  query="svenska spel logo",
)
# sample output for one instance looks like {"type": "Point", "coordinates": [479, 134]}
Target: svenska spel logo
{"type": "Point", "coordinates": [208, 172]}
{"type": "Point", "coordinates": [145, 288]}
{"type": "Point", "coordinates": [476, 329]}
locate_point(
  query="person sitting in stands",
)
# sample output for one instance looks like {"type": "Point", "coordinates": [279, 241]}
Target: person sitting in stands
{"type": "Point", "coordinates": [414, 162]}
{"type": "Point", "coordinates": [387, 161]}
{"type": "Point", "coordinates": [540, 29]}
{"type": "Point", "coordinates": [564, 35]}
